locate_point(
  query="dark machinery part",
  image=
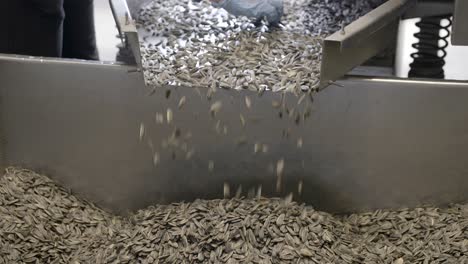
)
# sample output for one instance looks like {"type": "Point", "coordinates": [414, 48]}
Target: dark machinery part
{"type": "Point", "coordinates": [429, 59]}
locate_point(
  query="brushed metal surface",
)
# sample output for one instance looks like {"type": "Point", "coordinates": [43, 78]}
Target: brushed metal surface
{"type": "Point", "coordinates": [368, 144]}
{"type": "Point", "coordinates": [424, 8]}
{"type": "Point", "coordinates": [460, 23]}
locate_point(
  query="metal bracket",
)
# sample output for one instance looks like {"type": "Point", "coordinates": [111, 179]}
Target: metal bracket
{"type": "Point", "coordinates": [424, 8]}
{"type": "Point", "coordinates": [127, 28]}
{"type": "Point", "coordinates": [361, 40]}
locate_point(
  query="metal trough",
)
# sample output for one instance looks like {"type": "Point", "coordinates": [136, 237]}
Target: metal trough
{"type": "Point", "coordinates": [368, 143]}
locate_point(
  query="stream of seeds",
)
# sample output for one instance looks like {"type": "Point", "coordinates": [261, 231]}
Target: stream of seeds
{"type": "Point", "coordinates": [40, 222]}
{"type": "Point", "coordinates": [193, 44]}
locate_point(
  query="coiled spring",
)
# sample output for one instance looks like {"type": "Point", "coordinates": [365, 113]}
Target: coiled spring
{"type": "Point", "coordinates": [429, 59]}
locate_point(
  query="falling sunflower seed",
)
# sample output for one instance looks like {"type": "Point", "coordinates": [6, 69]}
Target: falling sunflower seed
{"type": "Point", "coordinates": [239, 192]}
{"type": "Point", "coordinates": [142, 131]}
{"type": "Point", "coordinates": [299, 142]}
{"type": "Point", "coordinates": [226, 190]}
{"type": "Point", "coordinates": [189, 154]}
{"type": "Point", "coordinates": [218, 127]}
{"type": "Point", "coordinates": [289, 198]}
{"type": "Point", "coordinates": [264, 148]}
{"type": "Point", "coordinates": [215, 108]}
{"type": "Point", "coordinates": [279, 174]}
{"type": "Point", "coordinates": [209, 93]}
{"type": "Point", "coordinates": [276, 104]}
{"type": "Point", "coordinates": [257, 147]}
{"type": "Point", "coordinates": [169, 115]}
{"type": "Point", "coordinates": [182, 102]}
{"type": "Point", "coordinates": [248, 102]}
{"type": "Point", "coordinates": [211, 165]}
{"type": "Point", "coordinates": [159, 118]}
{"type": "Point", "coordinates": [299, 187]}
{"type": "Point", "coordinates": [242, 119]}
{"type": "Point", "coordinates": [301, 99]}
{"type": "Point", "coordinates": [156, 159]}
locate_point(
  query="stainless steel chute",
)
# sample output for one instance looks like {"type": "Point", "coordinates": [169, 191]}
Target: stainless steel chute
{"type": "Point", "coordinates": [368, 142]}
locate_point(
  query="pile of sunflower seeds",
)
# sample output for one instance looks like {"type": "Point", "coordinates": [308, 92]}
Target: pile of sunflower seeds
{"type": "Point", "coordinates": [40, 222]}
{"type": "Point", "coordinates": [194, 44]}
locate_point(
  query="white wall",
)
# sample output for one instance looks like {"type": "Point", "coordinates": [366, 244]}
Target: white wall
{"type": "Point", "coordinates": [106, 30]}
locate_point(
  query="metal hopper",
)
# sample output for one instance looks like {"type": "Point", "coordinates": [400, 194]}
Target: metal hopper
{"type": "Point", "coordinates": [367, 141]}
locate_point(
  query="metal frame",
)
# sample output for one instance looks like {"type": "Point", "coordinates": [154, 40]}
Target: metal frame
{"type": "Point", "coordinates": [361, 40]}
{"type": "Point", "coordinates": [424, 8]}
{"type": "Point", "coordinates": [127, 28]}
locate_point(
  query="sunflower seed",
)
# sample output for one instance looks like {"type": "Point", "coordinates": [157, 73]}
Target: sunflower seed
{"type": "Point", "coordinates": [248, 102]}
{"type": "Point", "coordinates": [306, 253]}
{"type": "Point", "coordinates": [156, 159]}
{"type": "Point", "coordinates": [209, 93]}
{"type": "Point", "coordinates": [279, 174]}
{"type": "Point", "coordinates": [215, 107]}
{"type": "Point", "coordinates": [259, 192]}
{"type": "Point", "coordinates": [211, 165]}
{"type": "Point", "coordinates": [299, 142]}
{"type": "Point", "coordinates": [226, 190]}
{"type": "Point", "coordinates": [169, 115]}
{"type": "Point", "coordinates": [242, 119]}
{"type": "Point", "coordinates": [159, 118]}
{"type": "Point", "coordinates": [276, 104]}
{"type": "Point", "coordinates": [239, 192]}
{"type": "Point", "coordinates": [182, 102]}
{"type": "Point", "coordinates": [142, 131]}
{"type": "Point", "coordinates": [257, 147]}
{"type": "Point", "coordinates": [189, 154]}
{"type": "Point", "coordinates": [301, 99]}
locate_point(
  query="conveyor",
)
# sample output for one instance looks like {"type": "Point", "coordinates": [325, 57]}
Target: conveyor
{"type": "Point", "coordinates": [371, 141]}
